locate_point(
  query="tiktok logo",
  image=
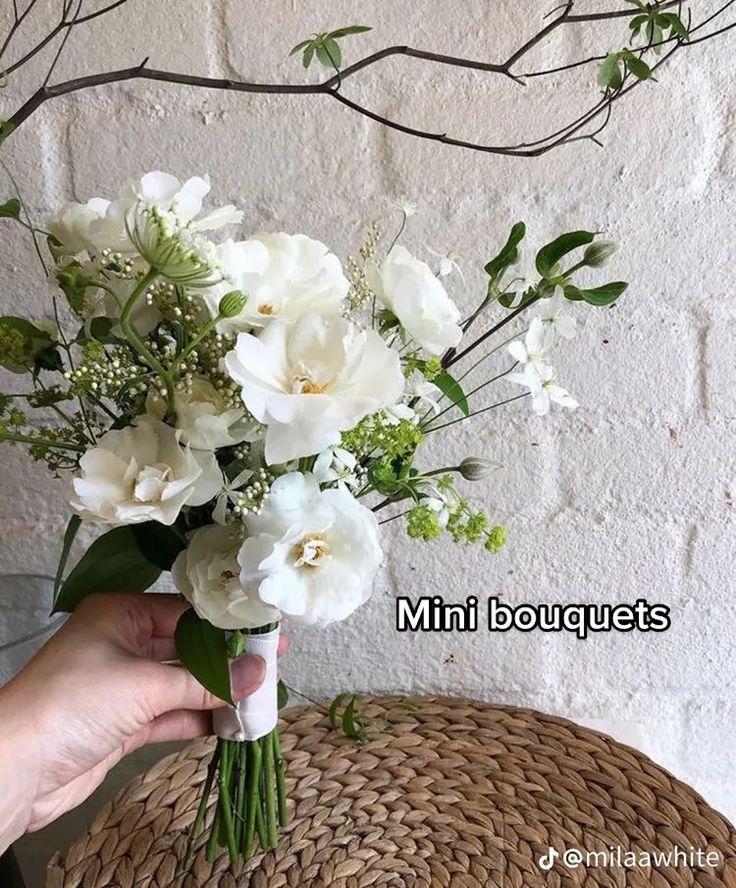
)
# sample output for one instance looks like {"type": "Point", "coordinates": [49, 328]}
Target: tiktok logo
{"type": "Point", "coordinates": [547, 861]}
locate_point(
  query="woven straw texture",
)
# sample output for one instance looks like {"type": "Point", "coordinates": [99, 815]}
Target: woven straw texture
{"type": "Point", "coordinates": [445, 793]}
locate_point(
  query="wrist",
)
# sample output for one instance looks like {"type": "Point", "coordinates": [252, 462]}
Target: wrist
{"type": "Point", "coordinates": [18, 772]}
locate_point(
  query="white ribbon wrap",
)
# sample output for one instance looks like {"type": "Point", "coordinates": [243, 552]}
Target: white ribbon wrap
{"type": "Point", "coordinates": [256, 715]}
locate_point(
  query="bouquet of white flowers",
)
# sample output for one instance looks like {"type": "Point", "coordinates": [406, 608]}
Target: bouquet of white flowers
{"type": "Point", "coordinates": [240, 412]}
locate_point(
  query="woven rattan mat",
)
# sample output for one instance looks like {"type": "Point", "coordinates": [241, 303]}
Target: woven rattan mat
{"type": "Point", "coordinates": [444, 793]}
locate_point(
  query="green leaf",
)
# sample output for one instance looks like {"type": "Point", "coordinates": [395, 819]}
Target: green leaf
{"type": "Point", "coordinates": [351, 727]}
{"type": "Point", "coordinates": [69, 536]}
{"type": "Point", "coordinates": [550, 255]}
{"type": "Point", "coordinates": [599, 296]}
{"type": "Point", "coordinates": [113, 563]}
{"type": "Point", "coordinates": [6, 128]}
{"type": "Point", "coordinates": [282, 693]}
{"type": "Point", "coordinates": [329, 53]}
{"type": "Point", "coordinates": [452, 389]}
{"type": "Point", "coordinates": [202, 648]}
{"type": "Point", "coordinates": [345, 32]}
{"type": "Point", "coordinates": [638, 68]}
{"type": "Point", "coordinates": [32, 348]}
{"type": "Point", "coordinates": [300, 46]}
{"type": "Point", "coordinates": [10, 209]}
{"type": "Point", "coordinates": [334, 706]}
{"type": "Point", "coordinates": [508, 255]}
{"type": "Point", "coordinates": [158, 543]}
{"type": "Point", "coordinates": [609, 73]}
{"type": "Point", "coordinates": [73, 282]}
{"type": "Point", "coordinates": [308, 55]}
{"type": "Point", "coordinates": [676, 24]}
{"type": "Point", "coordinates": [100, 329]}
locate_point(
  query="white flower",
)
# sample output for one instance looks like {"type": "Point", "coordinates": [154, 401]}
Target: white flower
{"type": "Point", "coordinates": [426, 394]}
{"type": "Point", "coordinates": [313, 554]}
{"type": "Point", "coordinates": [337, 465]}
{"type": "Point", "coordinates": [310, 380]}
{"type": "Point", "coordinates": [142, 473]}
{"type": "Point", "coordinates": [230, 495]}
{"type": "Point", "coordinates": [206, 574]}
{"type": "Point", "coordinates": [553, 314]}
{"type": "Point", "coordinates": [541, 382]}
{"type": "Point", "coordinates": [448, 263]}
{"type": "Point", "coordinates": [100, 224]}
{"type": "Point", "coordinates": [408, 207]}
{"type": "Point", "coordinates": [283, 275]}
{"type": "Point", "coordinates": [409, 290]}
{"type": "Point", "coordinates": [204, 416]}
{"type": "Point", "coordinates": [534, 346]}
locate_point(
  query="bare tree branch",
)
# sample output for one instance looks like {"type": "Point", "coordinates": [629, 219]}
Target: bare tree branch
{"type": "Point", "coordinates": [587, 126]}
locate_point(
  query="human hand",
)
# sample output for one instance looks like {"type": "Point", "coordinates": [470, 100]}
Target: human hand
{"type": "Point", "coordinates": [96, 691]}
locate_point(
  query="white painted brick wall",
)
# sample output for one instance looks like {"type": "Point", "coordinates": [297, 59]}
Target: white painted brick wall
{"type": "Point", "coordinates": [628, 497]}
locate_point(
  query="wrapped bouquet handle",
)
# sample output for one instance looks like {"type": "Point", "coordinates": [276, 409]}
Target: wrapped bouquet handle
{"type": "Point", "coordinates": [257, 714]}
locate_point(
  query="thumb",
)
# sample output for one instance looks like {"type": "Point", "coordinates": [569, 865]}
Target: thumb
{"type": "Point", "coordinates": [179, 689]}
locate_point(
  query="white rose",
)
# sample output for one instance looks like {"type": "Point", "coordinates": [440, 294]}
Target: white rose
{"type": "Point", "coordinates": [311, 380]}
{"type": "Point", "coordinates": [71, 225]}
{"type": "Point", "coordinates": [283, 276]}
{"type": "Point", "coordinates": [313, 554]}
{"type": "Point", "coordinates": [206, 574]}
{"type": "Point", "coordinates": [142, 473]}
{"type": "Point", "coordinates": [204, 416]}
{"type": "Point", "coordinates": [409, 290]}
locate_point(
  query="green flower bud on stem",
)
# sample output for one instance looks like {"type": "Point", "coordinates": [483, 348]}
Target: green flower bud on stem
{"type": "Point", "coordinates": [474, 468]}
{"type": "Point", "coordinates": [598, 253]}
{"type": "Point", "coordinates": [232, 304]}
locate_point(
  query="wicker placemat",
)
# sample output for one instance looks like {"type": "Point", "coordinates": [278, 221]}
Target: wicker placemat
{"type": "Point", "coordinates": [445, 793]}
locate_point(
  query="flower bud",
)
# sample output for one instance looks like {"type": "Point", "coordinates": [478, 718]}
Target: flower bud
{"type": "Point", "coordinates": [232, 304]}
{"type": "Point", "coordinates": [474, 468]}
{"type": "Point", "coordinates": [598, 253]}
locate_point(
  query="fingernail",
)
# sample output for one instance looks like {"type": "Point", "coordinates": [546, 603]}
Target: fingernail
{"type": "Point", "coordinates": [246, 675]}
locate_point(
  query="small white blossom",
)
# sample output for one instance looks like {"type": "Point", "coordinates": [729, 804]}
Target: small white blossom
{"type": "Point", "coordinates": [312, 554]}
{"type": "Point", "coordinates": [542, 384]}
{"type": "Point", "coordinates": [552, 312]}
{"type": "Point", "coordinates": [142, 473]}
{"type": "Point", "coordinates": [310, 380]}
{"type": "Point", "coordinates": [410, 291]}
{"type": "Point", "coordinates": [447, 263]}
{"type": "Point", "coordinates": [534, 345]}
{"type": "Point", "coordinates": [207, 575]}
{"type": "Point", "coordinates": [336, 465]}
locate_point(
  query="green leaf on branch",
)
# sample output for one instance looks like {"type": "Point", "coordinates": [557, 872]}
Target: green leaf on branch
{"type": "Point", "coordinates": [552, 253]}
{"type": "Point", "coordinates": [452, 389]}
{"type": "Point", "coordinates": [282, 693]}
{"type": "Point", "coordinates": [6, 128]}
{"type": "Point", "coordinates": [599, 296]}
{"type": "Point", "coordinates": [202, 649]}
{"type": "Point", "coordinates": [610, 73]}
{"type": "Point", "coordinates": [638, 67]}
{"type": "Point", "coordinates": [158, 543]}
{"type": "Point", "coordinates": [113, 563]}
{"type": "Point", "coordinates": [325, 47]}
{"type": "Point", "coordinates": [69, 536]}
{"type": "Point", "coordinates": [10, 209]}
{"type": "Point", "coordinates": [509, 255]}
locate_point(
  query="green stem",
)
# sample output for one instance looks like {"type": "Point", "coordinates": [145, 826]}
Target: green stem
{"type": "Point", "coordinates": [253, 800]}
{"type": "Point", "coordinates": [203, 333]}
{"type": "Point", "coordinates": [202, 810]}
{"type": "Point", "coordinates": [131, 334]}
{"type": "Point", "coordinates": [211, 852]}
{"type": "Point", "coordinates": [241, 767]}
{"type": "Point", "coordinates": [29, 439]}
{"type": "Point", "coordinates": [269, 790]}
{"type": "Point", "coordinates": [225, 804]}
{"type": "Point", "coordinates": [280, 777]}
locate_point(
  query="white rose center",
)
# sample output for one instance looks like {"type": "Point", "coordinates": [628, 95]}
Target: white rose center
{"type": "Point", "coordinates": [310, 550]}
{"type": "Point", "coordinates": [150, 483]}
{"type": "Point", "coordinates": [303, 384]}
